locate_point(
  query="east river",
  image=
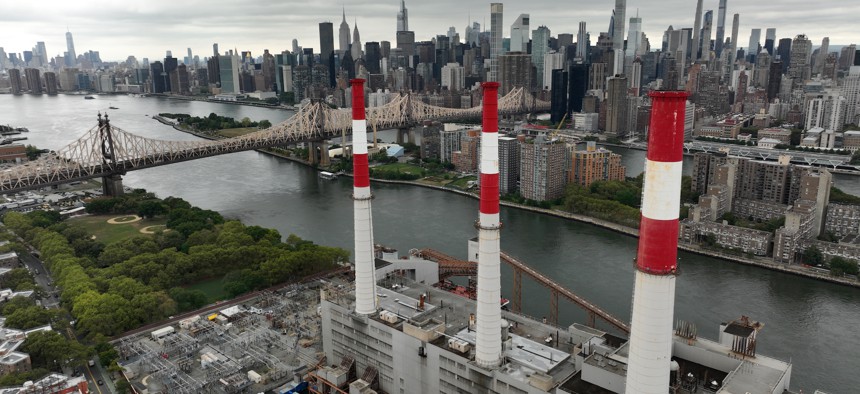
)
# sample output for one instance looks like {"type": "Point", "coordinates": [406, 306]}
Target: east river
{"type": "Point", "coordinates": [812, 324]}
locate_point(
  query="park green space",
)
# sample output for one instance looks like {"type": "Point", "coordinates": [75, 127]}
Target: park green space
{"type": "Point", "coordinates": [107, 233]}
{"type": "Point", "coordinates": [239, 131]}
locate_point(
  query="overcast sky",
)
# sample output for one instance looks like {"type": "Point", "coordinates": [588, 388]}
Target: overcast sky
{"type": "Point", "coordinates": [147, 28]}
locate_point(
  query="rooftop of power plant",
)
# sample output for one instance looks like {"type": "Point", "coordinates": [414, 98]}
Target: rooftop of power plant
{"type": "Point", "coordinates": [575, 359]}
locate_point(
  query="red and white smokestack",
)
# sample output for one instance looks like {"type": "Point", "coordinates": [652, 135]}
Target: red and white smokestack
{"type": "Point", "coordinates": [657, 257]}
{"type": "Point", "coordinates": [488, 347]}
{"type": "Point", "coordinates": [365, 278]}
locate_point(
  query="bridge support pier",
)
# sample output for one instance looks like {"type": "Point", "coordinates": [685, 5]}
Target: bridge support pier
{"type": "Point", "coordinates": [553, 307]}
{"type": "Point", "coordinates": [112, 185]}
{"type": "Point", "coordinates": [318, 153]}
{"type": "Point", "coordinates": [405, 132]}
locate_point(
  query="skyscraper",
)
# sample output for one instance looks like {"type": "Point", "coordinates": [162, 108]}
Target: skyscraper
{"type": "Point", "coordinates": [540, 47]}
{"type": "Point", "coordinates": [736, 21]}
{"type": "Point", "coordinates": [34, 80]}
{"type": "Point", "coordinates": [582, 42]}
{"type": "Point", "coordinates": [71, 57]}
{"type": "Point", "coordinates": [496, 14]}
{"type": "Point", "coordinates": [343, 36]}
{"type": "Point", "coordinates": [403, 17]}
{"type": "Point", "coordinates": [705, 46]}
{"type": "Point", "coordinates": [229, 68]}
{"type": "Point", "coordinates": [754, 46]}
{"type": "Point", "coordinates": [618, 35]}
{"type": "Point", "coordinates": [697, 31]}
{"type": "Point", "coordinates": [372, 56]}
{"type": "Point", "coordinates": [170, 65]}
{"type": "Point", "coordinates": [634, 38]}
{"type": "Point", "coordinates": [558, 96]}
{"type": "Point", "coordinates": [542, 169]}
{"type": "Point", "coordinates": [616, 106]}
{"type": "Point", "coordinates": [801, 48]}
{"type": "Point", "coordinates": [822, 55]}
{"type": "Point", "coordinates": [515, 71]}
{"type": "Point", "coordinates": [721, 29]}
{"type": "Point", "coordinates": [578, 85]}
{"type": "Point", "coordinates": [356, 44]}
{"type": "Point", "coordinates": [520, 34]}
{"type": "Point", "coordinates": [326, 42]}
{"type": "Point", "coordinates": [770, 39]}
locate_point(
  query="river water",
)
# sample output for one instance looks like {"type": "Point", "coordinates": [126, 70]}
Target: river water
{"type": "Point", "coordinates": [810, 323]}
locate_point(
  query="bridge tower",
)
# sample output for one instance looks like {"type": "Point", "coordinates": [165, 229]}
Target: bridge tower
{"type": "Point", "coordinates": [112, 182]}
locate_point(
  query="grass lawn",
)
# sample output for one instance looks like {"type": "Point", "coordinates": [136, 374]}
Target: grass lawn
{"type": "Point", "coordinates": [229, 133]}
{"type": "Point", "coordinates": [110, 233]}
{"type": "Point", "coordinates": [213, 289]}
{"type": "Point", "coordinates": [461, 182]}
{"type": "Point", "coordinates": [402, 167]}
{"type": "Point", "coordinates": [435, 181]}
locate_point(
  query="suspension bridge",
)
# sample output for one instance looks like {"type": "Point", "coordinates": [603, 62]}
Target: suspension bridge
{"type": "Point", "coordinates": [109, 152]}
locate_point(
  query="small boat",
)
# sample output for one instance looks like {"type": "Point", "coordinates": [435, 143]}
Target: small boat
{"type": "Point", "coordinates": [327, 175]}
{"type": "Point", "coordinates": [112, 107]}
{"type": "Point", "coordinates": [88, 97]}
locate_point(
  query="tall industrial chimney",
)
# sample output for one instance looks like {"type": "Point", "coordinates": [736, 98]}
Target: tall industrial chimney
{"type": "Point", "coordinates": [365, 279]}
{"type": "Point", "coordinates": [488, 349]}
{"type": "Point", "coordinates": [656, 259]}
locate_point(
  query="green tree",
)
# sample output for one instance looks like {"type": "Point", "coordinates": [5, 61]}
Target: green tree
{"type": "Point", "coordinates": [50, 350]}
{"type": "Point", "coordinates": [264, 124]}
{"type": "Point", "coordinates": [839, 266]}
{"type": "Point", "coordinates": [813, 256]}
{"type": "Point", "coordinates": [188, 299]}
{"type": "Point", "coordinates": [151, 209]}
{"type": "Point", "coordinates": [18, 279]}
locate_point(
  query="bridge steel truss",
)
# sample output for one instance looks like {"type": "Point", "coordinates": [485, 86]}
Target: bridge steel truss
{"type": "Point", "coordinates": [450, 266]}
{"type": "Point", "coordinates": [108, 150]}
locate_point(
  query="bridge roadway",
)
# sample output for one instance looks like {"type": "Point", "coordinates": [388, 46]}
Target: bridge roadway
{"type": "Point", "coordinates": [450, 266]}
{"type": "Point", "coordinates": [106, 150]}
{"type": "Point", "coordinates": [801, 157]}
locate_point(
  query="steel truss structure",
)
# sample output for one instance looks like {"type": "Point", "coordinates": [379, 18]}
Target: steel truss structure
{"type": "Point", "coordinates": [108, 150]}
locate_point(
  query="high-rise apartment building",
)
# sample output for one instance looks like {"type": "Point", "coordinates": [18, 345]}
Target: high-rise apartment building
{"type": "Point", "coordinates": [801, 49]}
{"type": "Point", "coordinates": [705, 45]}
{"type": "Point", "coordinates": [515, 70]}
{"type": "Point", "coordinates": [616, 106]}
{"type": "Point", "coordinates": [453, 77]}
{"type": "Point", "coordinates": [721, 29]}
{"type": "Point", "coordinates": [551, 61]}
{"type": "Point", "coordinates": [595, 164]}
{"type": "Point", "coordinates": [618, 36]}
{"type": "Point", "coordinates": [496, 19]}
{"type": "Point", "coordinates": [520, 34]}
{"type": "Point", "coordinates": [697, 31]}
{"type": "Point", "coordinates": [823, 51]}
{"type": "Point", "coordinates": [784, 53]}
{"type": "Point", "coordinates": [158, 77]}
{"type": "Point", "coordinates": [542, 169]}
{"type": "Point", "coordinates": [851, 92]}
{"type": "Point", "coordinates": [509, 164]}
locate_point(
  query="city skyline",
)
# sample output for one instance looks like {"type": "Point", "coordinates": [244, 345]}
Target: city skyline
{"type": "Point", "coordinates": [149, 29]}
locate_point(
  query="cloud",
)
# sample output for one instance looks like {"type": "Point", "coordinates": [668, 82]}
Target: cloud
{"type": "Point", "coordinates": [149, 28]}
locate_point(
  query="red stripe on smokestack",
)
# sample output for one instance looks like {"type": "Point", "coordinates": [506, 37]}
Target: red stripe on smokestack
{"type": "Point", "coordinates": [658, 238]}
{"type": "Point", "coordinates": [658, 246]}
{"type": "Point", "coordinates": [360, 167]}
{"type": "Point", "coordinates": [490, 124]}
{"type": "Point", "coordinates": [666, 135]}
{"type": "Point", "coordinates": [360, 170]}
{"type": "Point", "coordinates": [357, 98]}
